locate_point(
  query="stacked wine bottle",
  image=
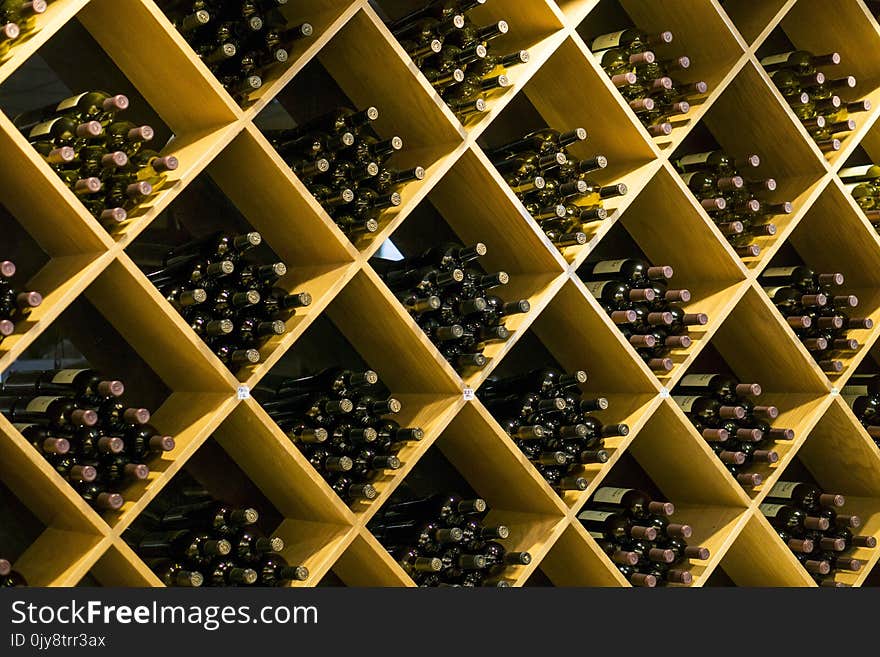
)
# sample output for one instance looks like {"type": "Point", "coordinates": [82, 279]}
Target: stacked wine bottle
{"type": "Point", "coordinates": [808, 522]}
{"type": "Point", "coordinates": [76, 420]}
{"type": "Point", "coordinates": [652, 85]}
{"type": "Point", "coordinates": [816, 308]}
{"type": "Point", "coordinates": [18, 21]}
{"type": "Point", "coordinates": [814, 97]}
{"type": "Point", "coordinates": [338, 418]}
{"type": "Point", "coordinates": [442, 540]}
{"type": "Point", "coordinates": [454, 54]}
{"type": "Point", "coordinates": [863, 182]}
{"type": "Point", "coordinates": [241, 41]}
{"type": "Point", "coordinates": [10, 578]}
{"type": "Point", "coordinates": [448, 297]}
{"type": "Point", "coordinates": [230, 299]}
{"type": "Point", "coordinates": [545, 414]}
{"type": "Point", "coordinates": [105, 161]}
{"type": "Point", "coordinates": [206, 542]}
{"type": "Point", "coordinates": [344, 164]}
{"type": "Point", "coordinates": [635, 532]}
{"type": "Point", "coordinates": [735, 201]}
{"type": "Point", "coordinates": [556, 188]}
{"type": "Point", "coordinates": [724, 413]}
{"type": "Point", "coordinates": [862, 393]}
{"type": "Point", "coordinates": [15, 304]}
{"type": "Point", "coordinates": [637, 297]}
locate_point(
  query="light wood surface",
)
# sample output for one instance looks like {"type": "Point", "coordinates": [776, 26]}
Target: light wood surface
{"type": "Point", "coordinates": [565, 85]}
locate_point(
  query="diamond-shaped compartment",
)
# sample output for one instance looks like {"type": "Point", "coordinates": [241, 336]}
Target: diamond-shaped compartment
{"type": "Point", "coordinates": [838, 457]}
{"type": "Point", "coordinates": [567, 93]}
{"type": "Point", "coordinates": [324, 17]}
{"type": "Point", "coordinates": [244, 465]}
{"type": "Point", "coordinates": [451, 212]}
{"type": "Point", "coordinates": [762, 352]}
{"type": "Point", "coordinates": [117, 321]}
{"type": "Point", "coordinates": [472, 460]}
{"type": "Point", "coordinates": [344, 73]}
{"type": "Point", "coordinates": [670, 464]}
{"type": "Point", "coordinates": [747, 119]}
{"type": "Point", "coordinates": [532, 26]}
{"type": "Point", "coordinates": [713, 58]}
{"type": "Point", "coordinates": [190, 120]}
{"type": "Point", "coordinates": [578, 336]}
{"type": "Point", "coordinates": [847, 245]}
{"type": "Point", "coordinates": [848, 30]}
{"type": "Point", "coordinates": [318, 260]}
{"type": "Point", "coordinates": [365, 329]}
{"type": "Point", "coordinates": [665, 226]}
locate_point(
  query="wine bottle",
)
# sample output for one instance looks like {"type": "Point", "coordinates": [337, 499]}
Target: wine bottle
{"type": "Point", "coordinates": [637, 503]}
{"type": "Point", "coordinates": [175, 573]}
{"type": "Point", "coordinates": [85, 384]}
{"type": "Point", "coordinates": [275, 571]}
{"type": "Point", "coordinates": [217, 517]}
{"type": "Point", "coordinates": [59, 412]}
{"type": "Point", "coordinates": [804, 495]}
{"type": "Point", "coordinates": [183, 544]}
{"type": "Point", "coordinates": [792, 519]}
{"type": "Point", "coordinates": [614, 525]}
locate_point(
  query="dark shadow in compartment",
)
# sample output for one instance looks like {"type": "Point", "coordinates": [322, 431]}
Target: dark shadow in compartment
{"type": "Point", "coordinates": [330, 580]}
{"type": "Point", "coordinates": [89, 581]}
{"type": "Point", "coordinates": [719, 578]}
{"type": "Point", "coordinates": [538, 579]}
{"type": "Point", "coordinates": [20, 528]}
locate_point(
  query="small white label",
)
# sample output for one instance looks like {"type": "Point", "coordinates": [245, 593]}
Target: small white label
{"type": "Point", "coordinates": [66, 376]}
{"type": "Point", "coordinates": [772, 60]}
{"type": "Point", "coordinates": [40, 404]}
{"type": "Point", "coordinates": [664, 393]}
{"type": "Point", "coordinates": [770, 510]}
{"type": "Point", "coordinates": [610, 495]}
{"type": "Point", "coordinates": [609, 266]}
{"type": "Point", "coordinates": [599, 516]}
{"type": "Point", "coordinates": [834, 391]}
{"type": "Point", "coordinates": [243, 392]}
{"type": "Point", "coordinates": [70, 103]}
{"type": "Point", "coordinates": [697, 158]}
{"type": "Point", "coordinates": [783, 489]}
{"type": "Point", "coordinates": [596, 287]}
{"type": "Point", "coordinates": [606, 41]}
{"type": "Point", "coordinates": [775, 272]}
{"type": "Point", "coordinates": [697, 380]}
{"type": "Point", "coordinates": [468, 394]}
{"type": "Point", "coordinates": [42, 129]}
{"type": "Point", "coordinates": [686, 403]}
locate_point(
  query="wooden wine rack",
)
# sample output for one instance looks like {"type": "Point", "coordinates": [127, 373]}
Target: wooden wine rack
{"type": "Point", "coordinates": [566, 86]}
